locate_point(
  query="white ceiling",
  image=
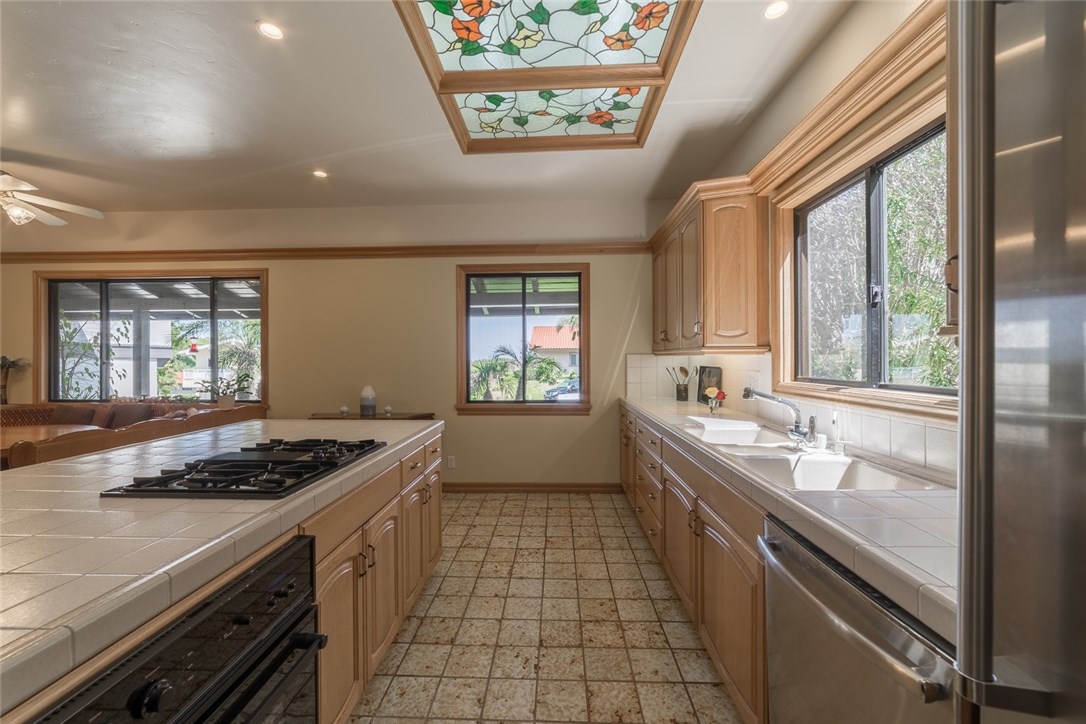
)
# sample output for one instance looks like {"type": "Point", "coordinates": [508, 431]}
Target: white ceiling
{"type": "Point", "coordinates": [136, 106]}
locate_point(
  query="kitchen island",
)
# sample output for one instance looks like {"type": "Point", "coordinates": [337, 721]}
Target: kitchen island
{"type": "Point", "coordinates": [81, 571]}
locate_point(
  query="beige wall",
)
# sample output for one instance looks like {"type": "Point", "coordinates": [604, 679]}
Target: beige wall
{"type": "Point", "coordinates": [336, 325]}
{"type": "Point", "coordinates": [859, 31]}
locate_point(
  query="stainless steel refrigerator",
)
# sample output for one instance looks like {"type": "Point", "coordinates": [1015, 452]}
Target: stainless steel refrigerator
{"type": "Point", "coordinates": [1018, 111]}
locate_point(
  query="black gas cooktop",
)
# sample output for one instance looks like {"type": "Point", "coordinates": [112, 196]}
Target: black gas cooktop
{"type": "Point", "coordinates": [273, 469]}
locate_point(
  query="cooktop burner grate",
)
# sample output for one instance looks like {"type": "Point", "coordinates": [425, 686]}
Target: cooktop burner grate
{"type": "Point", "coordinates": [273, 469]}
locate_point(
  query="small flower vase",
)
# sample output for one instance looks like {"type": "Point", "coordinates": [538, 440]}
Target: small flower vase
{"type": "Point", "coordinates": [714, 405]}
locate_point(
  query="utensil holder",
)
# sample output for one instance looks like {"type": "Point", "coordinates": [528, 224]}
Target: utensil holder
{"type": "Point", "coordinates": [682, 392]}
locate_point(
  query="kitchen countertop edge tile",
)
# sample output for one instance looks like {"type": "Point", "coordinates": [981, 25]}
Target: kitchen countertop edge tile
{"type": "Point", "coordinates": [32, 661]}
{"type": "Point", "coordinates": [920, 592]}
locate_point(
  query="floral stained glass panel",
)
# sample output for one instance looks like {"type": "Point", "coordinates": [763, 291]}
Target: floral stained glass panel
{"type": "Point", "coordinates": [489, 35]}
{"type": "Point", "coordinates": [578, 112]}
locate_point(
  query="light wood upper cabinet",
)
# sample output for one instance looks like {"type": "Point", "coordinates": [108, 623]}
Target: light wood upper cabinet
{"type": "Point", "coordinates": [711, 271]}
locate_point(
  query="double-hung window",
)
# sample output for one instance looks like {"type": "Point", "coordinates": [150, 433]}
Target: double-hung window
{"type": "Point", "coordinates": [522, 339]}
{"type": "Point", "coordinates": [155, 336]}
{"type": "Point", "coordinates": [870, 285]}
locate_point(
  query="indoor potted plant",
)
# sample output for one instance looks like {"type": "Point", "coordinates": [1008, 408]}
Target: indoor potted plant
{"type": "Point", "coordinates": [226, 390]}
{"type": "Point", "coordinates": [7, 366]}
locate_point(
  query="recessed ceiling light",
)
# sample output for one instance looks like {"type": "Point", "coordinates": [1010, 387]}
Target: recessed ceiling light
{"type": "Point", "coordinates": [776, 9]}
{"type": "Point", "coordinates": [269, 31]}
{"type": "Point", "coordinates": [320, 174]}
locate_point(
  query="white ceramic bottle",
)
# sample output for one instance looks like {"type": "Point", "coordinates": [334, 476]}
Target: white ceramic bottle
{"type": "Point", "coordinates": [368, 403]}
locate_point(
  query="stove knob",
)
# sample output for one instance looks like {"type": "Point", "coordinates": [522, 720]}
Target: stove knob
{"type": "Point", "coordinates": [243, 619]}
{"type": "Point", "coordinates": [150, 699]}
{"type": "Point", "coordinates": [281, 593]}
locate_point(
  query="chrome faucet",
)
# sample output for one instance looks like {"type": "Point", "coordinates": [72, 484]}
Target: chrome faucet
{"type": "Point", "coordinates": [800, 435]}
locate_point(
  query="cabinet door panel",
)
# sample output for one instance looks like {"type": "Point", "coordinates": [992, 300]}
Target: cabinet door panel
{"type": "Point", "coordinates": [689, 250]}
{"type": "Point", "coordinates": [432, 514]}
{"type": "Point", "coordinates": [338, 617]}
{"type": "Point", "coordinates": [673, 292]}
{"type": "Point", "coordinates": [731, 255]}
{"type": "Point", "coordinates": [731, 620]}
{"type": "Point", "coordinates": [414, 548]}
{"type": "Point", "coordinates": [678, 547]}
{"type": "Point", "coordinates": [659, 312]}
{"type": "Point", "coordinates": [383, 581]}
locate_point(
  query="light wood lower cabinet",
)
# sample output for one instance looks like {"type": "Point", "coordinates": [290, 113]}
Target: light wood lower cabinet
{"type": "Point", "coordinates": [415, 554]}
{"type": "Point", "coordinates": [383, 580]}
{"type": "Point", "coordinates": [375, 549]}
{"type": "Point", "coordinates": [731, 604]}
{"type": "Point", "coordinates": [679, 539]}
{"type": "Point", "coordinates": [432, 520]}
{"type": "Point", "coordinates": [339, 614]}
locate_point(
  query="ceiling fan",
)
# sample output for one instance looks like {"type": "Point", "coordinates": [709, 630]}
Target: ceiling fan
{"type": "Point", "coordinates": [19, 206]}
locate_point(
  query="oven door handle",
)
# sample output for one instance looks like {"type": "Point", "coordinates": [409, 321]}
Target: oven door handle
{"type": "Point", "coordinates": [906, 676]}
{"type": "Point", "coordinates": [309, 643]}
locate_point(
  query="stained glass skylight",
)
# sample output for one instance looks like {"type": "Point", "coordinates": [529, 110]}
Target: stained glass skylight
{"type": "Point", "coordinates": [577, 73]}
{"type": "Point", "coordinates": [571, 112]}
{"type": "Point", "coordinates": [486, 35]}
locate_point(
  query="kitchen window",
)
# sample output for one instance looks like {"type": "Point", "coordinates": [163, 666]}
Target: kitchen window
{"type": "Point", "coordinates": [870, 287]}
{"type": "Point", "coordinates": [522, 342]}
{"type": "Point", "coordinates": [155, 336]}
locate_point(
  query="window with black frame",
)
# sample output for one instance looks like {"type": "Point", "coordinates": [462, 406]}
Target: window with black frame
{"type": "Point", "coordinates": [154, 337]}
{"type": "Point", "coordinates": [870, 286]}
{"type": "Point", "coordinates": [523, 336]}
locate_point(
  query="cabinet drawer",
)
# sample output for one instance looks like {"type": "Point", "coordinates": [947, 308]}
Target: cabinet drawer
{"type": "Point", "coordinates": [649, 522]}
{"type": "Point", "coordinates": [648, 436]}
{"type": "Point", "coordinates": [433, 451]}
{"type": "Point", "coordinates": [413, 464]}
{"type": "Point", "coordinates": [648, 461]}
{"type": "Point", "coordinates": [650, 488]}
{"type": "Point", "coordinates": [335, 523]}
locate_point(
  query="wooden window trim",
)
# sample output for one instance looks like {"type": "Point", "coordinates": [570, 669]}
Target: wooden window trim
{"type": "Point", "coordinates": [857, 124]}
{"type": "Point", "coordinates": [463, 407]}
{"type": "Point", "coordinates": [41, 314]}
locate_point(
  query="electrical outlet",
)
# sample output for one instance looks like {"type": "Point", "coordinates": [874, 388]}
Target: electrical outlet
{"type": "Point", "coordinates": [452, 462]}
{"type": "Point", "coordinates": [752, 380]}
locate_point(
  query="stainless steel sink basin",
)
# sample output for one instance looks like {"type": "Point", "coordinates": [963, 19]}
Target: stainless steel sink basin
{"type": "Point", "coordinates": [827, 471]}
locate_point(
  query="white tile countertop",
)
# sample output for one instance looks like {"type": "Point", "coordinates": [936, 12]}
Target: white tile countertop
{"type": "Point", "coordinates": [902, 542]}
{"type": "Point", "coordinates": [79, 571]}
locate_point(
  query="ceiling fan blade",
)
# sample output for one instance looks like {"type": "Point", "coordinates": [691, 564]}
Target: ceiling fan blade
{"type": "Point", "coordinates": [43, 216]}
{"type": "Point", "coordinates": [63, 206]}
{"type": "Point", "coordinates": [10, 183]}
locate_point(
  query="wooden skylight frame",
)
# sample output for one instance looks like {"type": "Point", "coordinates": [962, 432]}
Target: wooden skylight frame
{"type": "Point", "coordinates": [618, 85]}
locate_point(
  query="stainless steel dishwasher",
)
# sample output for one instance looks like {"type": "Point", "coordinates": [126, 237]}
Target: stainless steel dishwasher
{"type": "Point", "coordinates": [840, 652]}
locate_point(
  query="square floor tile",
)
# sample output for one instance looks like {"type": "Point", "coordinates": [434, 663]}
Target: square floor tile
{"type": "Point", "coordinates": [515, 662]}
{"type": "Point", "coordinates": [470, 661]}
{"type": "Point", "coordinates": [408, 696]}
{"type": "Point", "coordinates": [665, 703]}
{"type": "Point", "coordinates": [613, 701]}
{"type": "Point", "coordinates": [607, 665]}
{"type": "Point", "coordinates": [561, 662]}
{"type": "Point", "coordinates": [510, 700]}
{"type": "Point", "coordinates": [459, 698]}
{"type": "Point", "coordinates": [654, 665]}
{"type": "Point", "coordinates": [561, 701]}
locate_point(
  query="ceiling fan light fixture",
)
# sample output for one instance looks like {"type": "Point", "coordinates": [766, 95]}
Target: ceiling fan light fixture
{"type": "Point", "coordinates": [18, 214]}
{"type": "Point", "coordinates": [320, 174]}
{"type": "Point", "coordinates": [269, 30]}
{"type": "Point", "coordinates": [775, 9]}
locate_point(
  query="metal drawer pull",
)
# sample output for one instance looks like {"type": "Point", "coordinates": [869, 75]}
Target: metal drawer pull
{"type": "Point", "coordinates": [652, 532]}
{"type": "Point", "coordinates": [690, 519]}
{"type": "Point", "coordinates": [372, 556]}
{"type": "Point", "coordinates": [652, 442]}
{"type": "Point", "coordinates": [900, 671]}
{"type": "Point", "coordinates": [652, 496]}
{"type": "Point", "coordinates": [415, 464]}
{"type": "Point", "coordinates": [435, 450]}
{"type": "Point", "coordinates": [639, 509]}
{"type": "Point", "coordinates": [652, 466]}
{"type": "Point", "coordinates": [364, 566]}
{"type": "Point", "coordinates": [694, 527]}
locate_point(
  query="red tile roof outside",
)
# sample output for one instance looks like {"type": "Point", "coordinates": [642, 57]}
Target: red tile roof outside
{"type": "Point", "coordinates": [553, 338]}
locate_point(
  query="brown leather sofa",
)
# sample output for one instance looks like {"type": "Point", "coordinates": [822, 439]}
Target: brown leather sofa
{"type": "Point", "coordinates": [136, 427]}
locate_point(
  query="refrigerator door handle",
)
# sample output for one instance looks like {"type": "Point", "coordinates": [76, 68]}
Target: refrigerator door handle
{"type": "Point", "coordinates": [901, 672]}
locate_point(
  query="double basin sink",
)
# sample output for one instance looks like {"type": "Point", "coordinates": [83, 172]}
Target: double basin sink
{"type": "Point", "coordinates": [774, 457]}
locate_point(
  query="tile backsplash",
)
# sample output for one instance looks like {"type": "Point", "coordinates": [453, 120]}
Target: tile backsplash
{"type": "Point", "coordinates": [910, 439]}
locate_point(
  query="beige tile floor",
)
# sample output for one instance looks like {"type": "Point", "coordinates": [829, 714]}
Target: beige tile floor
{"type": "Point", "coordinates": [546, 607]}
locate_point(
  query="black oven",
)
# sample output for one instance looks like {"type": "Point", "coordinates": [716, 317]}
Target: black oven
{"type": "Point", "coordinates": [245, 654]}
